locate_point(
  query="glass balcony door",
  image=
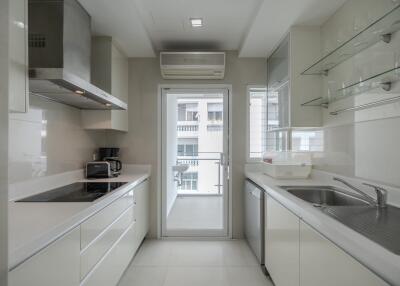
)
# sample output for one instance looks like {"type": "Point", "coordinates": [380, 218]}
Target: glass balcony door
{"type": "Point", "coordinates": [195, 162]}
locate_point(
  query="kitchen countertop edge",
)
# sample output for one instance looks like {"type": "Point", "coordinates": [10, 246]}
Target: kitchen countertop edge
{"type": "Point", "coordinates": [379, 260]}
{"type": "Point", "coordinates": [21, 254]}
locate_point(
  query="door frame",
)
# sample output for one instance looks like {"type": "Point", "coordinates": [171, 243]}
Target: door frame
{"type": "Point", "coordinates": [160, 179]}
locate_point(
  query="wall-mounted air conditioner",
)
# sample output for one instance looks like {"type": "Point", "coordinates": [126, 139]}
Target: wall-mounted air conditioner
{"type": "Point", "coordinates": [192, 65]}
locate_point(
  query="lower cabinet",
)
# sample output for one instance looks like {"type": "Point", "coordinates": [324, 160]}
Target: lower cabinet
{"type": "Point", "coordinates": [110, 269]}
{"type": "Point", "coordinates": [97, 252]}
{"type": "Point", "coordinates": [281, 244]}
{"type": "Point", "coordinates": [323, 263]}
{"type": "Point", "coordinates": [296, 254]}
{"type": "Point", "coordinates": [57, 264]}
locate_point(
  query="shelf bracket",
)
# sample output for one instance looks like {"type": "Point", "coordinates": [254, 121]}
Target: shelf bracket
{"type": "Point", "coordinates": [386, 38]}
{"type": "Point", "coordinates": [386, 86]}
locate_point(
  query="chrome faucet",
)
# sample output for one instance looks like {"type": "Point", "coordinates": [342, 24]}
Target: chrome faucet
{"type": "Point", "coordinates": [381, 193]}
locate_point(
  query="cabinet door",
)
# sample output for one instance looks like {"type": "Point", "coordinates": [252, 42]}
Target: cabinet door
{"type": "Point", "coordinates": [18, 80]}
{"type": "Point", "coordinates": [323, 263]}
{"type": "Point", "coordinates": [278, 87]}
{"type": "Point", "coordinates": [142, 209]}
{"type": "Point", "coordinates": [281, 244]}
{"type": "Point", "coordinates": [57, 264]}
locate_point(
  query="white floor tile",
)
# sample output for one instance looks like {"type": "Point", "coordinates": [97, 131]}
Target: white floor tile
{"type": "Point", "coordinates": [194, 263]}
{"type": "Point", "coordinates": [194, 253]}
{"type": "Point", "coordinates": [144, 276]}
{"type": "Point", "coordinates": [196, 276]}
{"type": "Point", "coordinates": [154, 253]}
{"type": "Point", "coordinates": [247, 276]}
{"type": "Point", "coordinates": [196, 212]}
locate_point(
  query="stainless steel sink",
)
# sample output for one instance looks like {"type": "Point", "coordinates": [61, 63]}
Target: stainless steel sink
{"type": "Point", "coordinates": [381, 225]}
{"type": "Point", "coordinates": [325, 196]}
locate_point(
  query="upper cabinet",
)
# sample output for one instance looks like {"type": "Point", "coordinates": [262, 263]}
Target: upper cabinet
{"type": "Point", "coordinates": [287, 89]}
{"type": "Point", "coordinates": [18, 78]}
{"type": "Point", "coordinates": [110, 72]}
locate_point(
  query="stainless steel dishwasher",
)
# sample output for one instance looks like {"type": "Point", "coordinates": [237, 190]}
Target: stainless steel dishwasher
{"type": "Point", "coordinates": [254, 218]}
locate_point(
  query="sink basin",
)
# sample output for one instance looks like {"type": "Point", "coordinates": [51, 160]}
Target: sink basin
{"type": "Point", "coordinates": [381, 225]}
{"type": "Point", "coordinates": [325, 196]}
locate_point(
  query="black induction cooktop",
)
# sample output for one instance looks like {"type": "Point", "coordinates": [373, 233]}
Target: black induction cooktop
{"type": "Point", "coordinates": [76, 192]}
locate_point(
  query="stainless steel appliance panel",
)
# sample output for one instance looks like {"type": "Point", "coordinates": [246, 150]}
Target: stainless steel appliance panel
{"type": "Point", "coordinates": [254, 218]}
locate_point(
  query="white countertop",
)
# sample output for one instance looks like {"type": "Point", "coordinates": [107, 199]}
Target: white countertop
{"type": "Point", "coordinates": [378, 259]}
{"type": "Point", "coordinates": [33, 226]}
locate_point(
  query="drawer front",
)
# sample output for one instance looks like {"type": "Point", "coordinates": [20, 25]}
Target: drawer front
{"type": "Point", "coordinates": [57, 264]}
{"type": "Point", "coordinates": [93, 227]}
{"type": "Point", "coordinates": [94, 252]}
{"type": "Point", "coordinates": [110, 269]}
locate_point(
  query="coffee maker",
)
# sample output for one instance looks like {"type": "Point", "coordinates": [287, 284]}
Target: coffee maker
{"type": "Point", "coordinates": [111, 155]}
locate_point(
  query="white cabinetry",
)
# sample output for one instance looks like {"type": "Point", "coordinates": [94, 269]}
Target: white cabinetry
{"type": "Point", "coordinates": [109, 251]}
{"type": "Point", "coordinates": [57, 264]}
{"type": "Point", "coordinates": [296, 254]}
{"type": "Point", "coordinates": [95, 253]}
{"type": "Point", "coordinates": [287, 89]}
{"type": "Point", "coordinates": [281, 244]}
{"type": "Point", "coordinates": [323, 263]}
{"type": "Point", "coordinates": [110, 72]}
{"type": "Point", "coordinates": [18, 77]}
{"type": "Point", "coordinates": [141, 211]}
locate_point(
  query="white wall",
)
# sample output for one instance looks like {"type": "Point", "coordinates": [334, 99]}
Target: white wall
{"type": "Point", "coordinates": [363, 143]}
{"type": "Point", "coordinates": [139, 145]}
{"type": "Point", "coordinates": [48, 140]}
{"type": "Point", "coordinates": [4, 25]}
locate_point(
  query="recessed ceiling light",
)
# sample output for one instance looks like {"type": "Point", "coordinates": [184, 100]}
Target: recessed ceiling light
{"type": "Point", "coordinates": [196, 22]}
{"type": "Point", "coordinates": [80, 92]}
{"type": "Point", "coordinates": [108, 104]}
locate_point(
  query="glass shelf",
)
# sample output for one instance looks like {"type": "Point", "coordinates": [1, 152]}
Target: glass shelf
{"type": "Point", "coordinates": [319, 101]}
{"type": "Point", "coordinates": [379, 30]}
{"type": "Point", "coordinates": [384, 80]}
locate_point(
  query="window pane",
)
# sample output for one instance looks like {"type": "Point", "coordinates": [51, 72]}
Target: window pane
{"type": "Point", "coordinates": [311, 140]}
{"type": "Point", "coordinates": [182, 112]}
{"type": "Point", "coordinates": [180, 150]}
{"type": "Point", "coordinates": [257, 122]}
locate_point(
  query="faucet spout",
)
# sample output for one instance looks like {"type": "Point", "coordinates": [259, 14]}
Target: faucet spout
{"type": "Point", "coordinates": [381, 193]}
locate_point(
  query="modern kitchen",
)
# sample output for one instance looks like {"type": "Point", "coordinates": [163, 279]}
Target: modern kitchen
{"type": "Point", "coordinates": [215, 143]}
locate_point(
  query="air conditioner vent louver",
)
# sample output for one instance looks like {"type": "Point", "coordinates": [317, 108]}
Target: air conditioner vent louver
{"type": "Point", "coordinates": [192, 65]}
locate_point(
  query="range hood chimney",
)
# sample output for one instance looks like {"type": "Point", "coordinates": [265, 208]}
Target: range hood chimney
{"type": "Point", "coordinates": [59, 56]}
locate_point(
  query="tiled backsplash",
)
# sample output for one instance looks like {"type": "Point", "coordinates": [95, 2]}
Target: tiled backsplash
{"type": "Point", "coordinates": [49, 140]}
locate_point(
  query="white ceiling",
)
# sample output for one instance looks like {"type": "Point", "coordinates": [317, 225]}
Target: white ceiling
{"type": "Point", "coordinates": [120, 19]}
{"type": "Point", "coordinates": [253, 27]}
{"type": "Point", "coordinates": [275, 18]}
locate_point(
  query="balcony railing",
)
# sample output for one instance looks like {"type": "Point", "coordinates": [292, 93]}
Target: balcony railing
{"type": "Point", "coordinates": [187, 128]}
{"type": "Point", "coordinates": [209, 173]}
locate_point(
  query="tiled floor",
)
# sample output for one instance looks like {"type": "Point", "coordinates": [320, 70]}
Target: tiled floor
{"type": "Point", "coordinates": [196, 212]}
{"type": "Point", "coordinates": [194, 263]}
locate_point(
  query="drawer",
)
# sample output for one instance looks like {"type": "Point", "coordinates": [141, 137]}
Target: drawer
{"type": "Point", "coordinates": [93, 227]}
{"type": "Point", "coordinates": [95, 251]}
{"type": "Point", "coordinates": [110, 269]}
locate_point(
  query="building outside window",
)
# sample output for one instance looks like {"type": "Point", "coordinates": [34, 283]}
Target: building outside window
{"type": "Point", "coordinates": [188, 147]}
{"type": "Point", "coordinates": [189, 181]}
{"type": "Point", "coordinates": [214, 111]}
{"type": "Point", "coordinates": [188, 112]}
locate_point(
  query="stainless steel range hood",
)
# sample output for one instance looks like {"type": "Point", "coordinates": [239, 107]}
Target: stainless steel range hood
{"type": "Point", "coordinates": [59, 56]}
